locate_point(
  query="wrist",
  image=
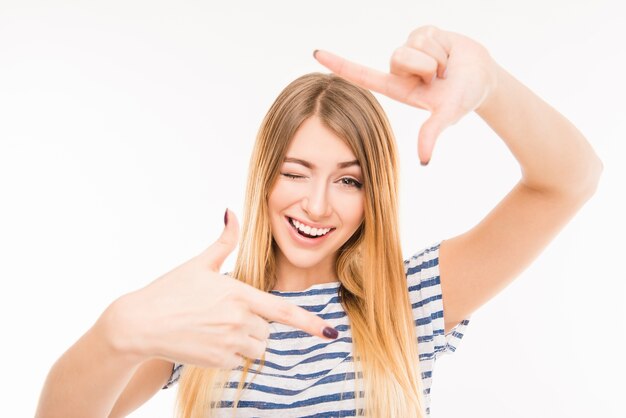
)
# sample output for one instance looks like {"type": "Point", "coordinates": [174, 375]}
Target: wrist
{"type": "Point", "coordinates": [119, 330]}
{"type": "Point", "coordinates": [496, 80]}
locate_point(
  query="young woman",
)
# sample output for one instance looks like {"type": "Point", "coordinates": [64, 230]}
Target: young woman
{"type": "Point", "coordinates": [321, 316]}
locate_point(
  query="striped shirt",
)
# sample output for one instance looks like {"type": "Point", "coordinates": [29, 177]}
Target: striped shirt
{"type": "Point", "coordinates": [307, 376]}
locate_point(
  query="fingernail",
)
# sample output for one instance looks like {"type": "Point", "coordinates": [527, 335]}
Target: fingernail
{"type": "Point", "coordinates": [330, 333]}
{"type": "Point", "coordinates": [226, 217]}
{"type": "Point", "coordinates": [445, 73]}
{"type": "Point", "coordinates": [424, 163]}
{"type": "Point", "coordinates": [315, 52]}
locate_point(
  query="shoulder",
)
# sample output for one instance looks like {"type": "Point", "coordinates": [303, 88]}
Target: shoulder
{"type": "Point", "coordinates": [426, 299]}
{"type": "Point", "coordinates": [422, 268]}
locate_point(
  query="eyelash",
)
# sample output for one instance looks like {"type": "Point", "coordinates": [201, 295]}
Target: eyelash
{"type": "Point", "coordinates": [353, 182]}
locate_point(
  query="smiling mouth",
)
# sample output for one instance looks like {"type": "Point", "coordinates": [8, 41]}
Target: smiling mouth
{"type": "Point", "coordinates": [304, 234]}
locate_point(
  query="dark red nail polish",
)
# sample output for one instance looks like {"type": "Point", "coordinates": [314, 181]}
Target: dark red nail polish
{"type": "Point", "coordinates": [330, 333]}
{"type": "Point", "coordinates": [226, 217]}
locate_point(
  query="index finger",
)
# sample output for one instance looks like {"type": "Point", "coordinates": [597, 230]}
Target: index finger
{"type": "Point", "coordinates": [275, 308]}
{"type": "Point", "coordinates": [359, 74]}
{"type": "Point", "coordinates": [391, 85]}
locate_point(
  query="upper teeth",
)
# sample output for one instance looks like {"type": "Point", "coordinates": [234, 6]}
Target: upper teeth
{"type": "Point", "coordinates": [308, 230]}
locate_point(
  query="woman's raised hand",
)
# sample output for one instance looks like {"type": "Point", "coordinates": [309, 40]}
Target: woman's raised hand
{"type": "Point", "coordinates": [194, 315]}
{"type": "Point", "coordinates": [443, 72]}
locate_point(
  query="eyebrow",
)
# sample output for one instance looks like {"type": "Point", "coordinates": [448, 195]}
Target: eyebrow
{"type": "Point", "coordinates": [310, 165]}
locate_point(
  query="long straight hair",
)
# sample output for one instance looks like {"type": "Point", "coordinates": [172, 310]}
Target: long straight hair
{"type": "Point", "coordinates": [369, 265]}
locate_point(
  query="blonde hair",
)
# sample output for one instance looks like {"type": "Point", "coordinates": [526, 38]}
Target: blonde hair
{"type": "Point", "coordinates": [373, 286]}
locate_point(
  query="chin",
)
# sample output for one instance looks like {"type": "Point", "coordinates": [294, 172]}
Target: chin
{"type": "Point", "coordinates": [303, 260]}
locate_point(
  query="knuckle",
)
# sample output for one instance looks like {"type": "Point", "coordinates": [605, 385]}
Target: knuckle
{"type": "Point", "coordinates": [419, 41]}
{"type": "Point", "coordinates": [398, 55]}
{"type": "Point", "coordinates": [230, 360]}
{"type": "Point", "coordinates": [285, 313]}
{"type": "Point", "coordinates": [221, 359]}
{"type": "Point", "coordinates": [236, 361]}
{"type": "Point", "coordinates": [432, 68]}
{"type": "Point", "coordinates": [229, 342]}
{"type": "Point", "coordinates": [236, 320]}
{"type": "Point", "coordinates": [232, 320]}
{"type": "Point", "coordinates": [421, 31]}
{"type": "Point", "coordinates": [233, 343]}
{"type": "Point", "coordinates": [414, 33]}
{"type": "Point", "coordinates": [430, 30]}
{"type": "Point", "coordinates": [233, 293]}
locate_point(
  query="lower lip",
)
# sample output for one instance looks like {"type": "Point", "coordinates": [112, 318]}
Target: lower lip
{"type": "Point", "coordinates": [309, 242]}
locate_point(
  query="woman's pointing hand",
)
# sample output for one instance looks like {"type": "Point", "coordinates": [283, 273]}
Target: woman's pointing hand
{"type": "Point", "coordinates": [195, 315]}
{"type": "Point", "coordinates": [443, 72]}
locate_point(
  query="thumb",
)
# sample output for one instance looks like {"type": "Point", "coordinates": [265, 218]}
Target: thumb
{"type": "Point", "coordinates": [215, 255]}
{"type": "Point", "coordinates": [429, 132]}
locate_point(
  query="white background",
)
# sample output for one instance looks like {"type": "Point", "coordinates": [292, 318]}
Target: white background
{"type": "Point", "coordinates": [126, 129]}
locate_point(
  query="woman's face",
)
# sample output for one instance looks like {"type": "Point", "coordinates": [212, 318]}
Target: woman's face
{"type": "Point", "coordinates": [318, 190]}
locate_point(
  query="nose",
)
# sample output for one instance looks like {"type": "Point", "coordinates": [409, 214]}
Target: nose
{"type": "Point", "coordinates": [316, 202]}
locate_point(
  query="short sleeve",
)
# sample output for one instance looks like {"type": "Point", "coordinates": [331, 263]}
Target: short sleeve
{"type": "Point", "coordinates": [425, 294]}
{"type": "Point", "coordinates": [177, 368]}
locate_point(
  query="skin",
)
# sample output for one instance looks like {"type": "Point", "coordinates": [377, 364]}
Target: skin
{"type": "Point", "coordinates": [560, 170]}
{"type": "Point", "coordinates": [324, 195]}
{"type": "Point", "coordinates": [134, 360]}
{"type": "Point", "coordinates": [192, 315]}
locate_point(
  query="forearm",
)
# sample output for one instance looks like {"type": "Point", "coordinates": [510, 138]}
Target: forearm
{"type": "Point", "coordinates": [554, 156]}
{"type": "Point", "coordinates": [87, 380]}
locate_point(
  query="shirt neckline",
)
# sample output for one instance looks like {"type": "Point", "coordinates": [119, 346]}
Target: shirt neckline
{"type": "Point", "coordinates": [329, 285]}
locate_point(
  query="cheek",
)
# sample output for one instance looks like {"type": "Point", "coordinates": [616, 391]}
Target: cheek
{"type": "Point", "coordinates": [283, 195]}
{"type": "Point", "coordinates": [353, 210]}
{"type": "Point", "coordinates": [279, 199]}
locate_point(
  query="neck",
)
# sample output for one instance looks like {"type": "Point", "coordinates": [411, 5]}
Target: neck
{"type": "Point", "coordinates": [291, 278]}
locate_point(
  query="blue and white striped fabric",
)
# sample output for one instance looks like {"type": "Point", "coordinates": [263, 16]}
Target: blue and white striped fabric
{"type": "Point", "coordinates": [307, 376]}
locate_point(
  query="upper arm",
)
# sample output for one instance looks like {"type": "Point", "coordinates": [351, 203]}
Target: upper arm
{"type": "Point", "coordinates": [477, 265]}
{"type": "Point", "coordinates": [149, 378]}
